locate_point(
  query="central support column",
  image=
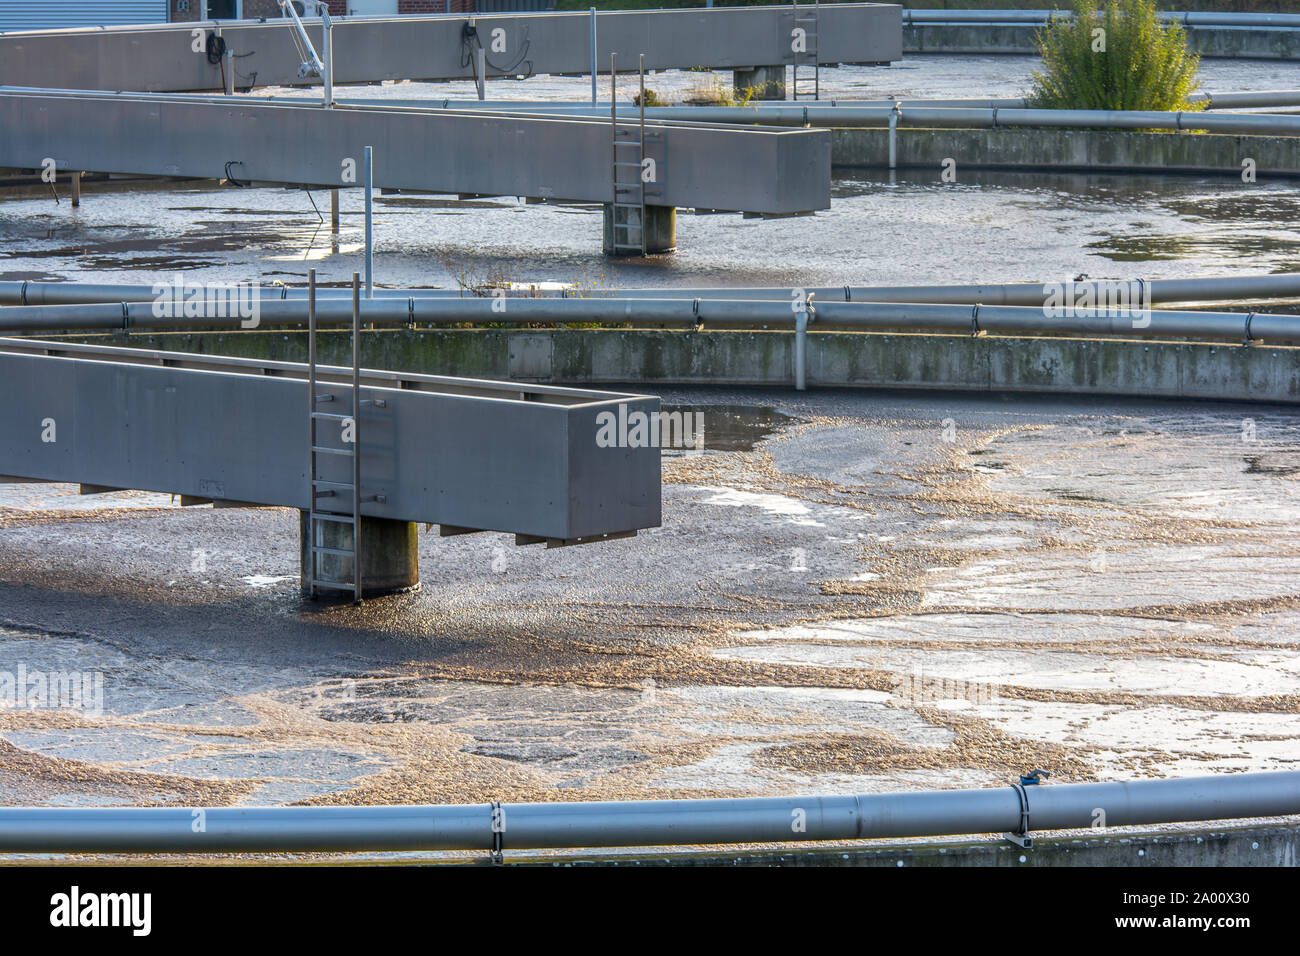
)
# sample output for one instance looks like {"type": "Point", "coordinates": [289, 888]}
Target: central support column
{"type": "Point", "coordinates": [660, 226]}
{"type": "Point", "coordinates": [390, 560]}
{"type": "Point", "coordinates": [767, 82]}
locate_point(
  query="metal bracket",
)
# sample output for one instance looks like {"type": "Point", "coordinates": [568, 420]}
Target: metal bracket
{"type": "Point", "coordinates": [975, 330]}
{"type": "Point", "coordinates": [496, 857]}
{"type": "Point", "coordinates": [1245, 342]}
{"type": "Point", "coordinates": [1021, 837]}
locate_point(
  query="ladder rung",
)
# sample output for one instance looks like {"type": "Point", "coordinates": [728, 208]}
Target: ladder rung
{"type": "Point", "coordinates": [321, 450]}
{"type": "Point", "coordinates": [341, 552]}
{"type": "Point", "coordinates": [332, 484]}
{"type": "Point", "coordinates": [636, 165]}
{"type": "Point", "coordinates": [337, 519]}
{"type": "Point", "coordinates": [334, 415]}
{"type": "Point", "coordinates": [340, 585]}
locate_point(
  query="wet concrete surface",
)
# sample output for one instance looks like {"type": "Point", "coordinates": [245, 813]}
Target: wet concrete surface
{"type": "Point", "coordinates": [864, 591]}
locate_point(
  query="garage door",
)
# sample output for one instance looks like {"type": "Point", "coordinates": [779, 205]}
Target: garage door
{"type": "Point", "coordinates": [48, 15]}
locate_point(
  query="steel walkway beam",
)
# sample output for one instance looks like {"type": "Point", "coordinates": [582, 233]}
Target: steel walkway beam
{"type": "Point", "coordinates": [163, 57]}
{"type": "Point", "coordinates": [766, 172]}
{"type": "Point", "coordinates": [462, 452]}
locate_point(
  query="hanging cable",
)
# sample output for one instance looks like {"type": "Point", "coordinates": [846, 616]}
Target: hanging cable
{"type": "Point", "coordinates": [469, 40]}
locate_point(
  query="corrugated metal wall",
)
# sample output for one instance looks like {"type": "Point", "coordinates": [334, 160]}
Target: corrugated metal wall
{"type": "Point", "coordinates": [54, 14]}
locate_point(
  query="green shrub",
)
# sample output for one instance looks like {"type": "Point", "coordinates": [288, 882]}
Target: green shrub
{"type": "Point", "coordinates": [1119, 58]}
{"type": "Point", "coordinates": [651, 99]}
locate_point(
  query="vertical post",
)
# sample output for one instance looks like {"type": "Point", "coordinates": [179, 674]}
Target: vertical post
{"type": "Point", "coordinates": [640, 173]}
{"type": "Point", "coordinates": [310, 555]}
{"type": "Point", "coordinates": [334, 212]}
{"type": "Point", "coordinates": [800, 348]}
{"type": "Point", "coordinates": [356, 438]}
{"type": "Point", "coordinates": [613, 148]}
{"type": "Point", "coordinates": [76, 188]}
{"type": "Point", "coordinates": [894, 114]}
{"type": "Point", "coordinates": [480, 75]}
{"type": "Point", "coordinates": [228, 73]}
{"type": "Point", "coordinates": [327, 54]}
{"type": "Point", "coordinates": [369, 173]}
{"type": "Point", "coordinates": [593, 56]}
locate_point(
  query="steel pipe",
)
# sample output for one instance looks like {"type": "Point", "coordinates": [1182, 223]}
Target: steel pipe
{"type": "Point", "coordinates": [1258, 21]}
{"type": "Point", "coordinates": [1045, 318]}
{"type": "Point", "coordinates": [872, 117]}
{"type": "Point", "coordinates": [1206, 289]}
{"type": "Point", "coordinates": [646, 822]}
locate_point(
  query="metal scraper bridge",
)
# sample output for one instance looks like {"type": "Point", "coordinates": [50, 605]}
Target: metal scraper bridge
{"type": "Point", "coordinates": [362, 454]}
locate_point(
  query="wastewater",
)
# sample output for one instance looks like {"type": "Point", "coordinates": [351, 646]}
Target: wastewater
{"type": "Point", "coordinates": [1105, 586]}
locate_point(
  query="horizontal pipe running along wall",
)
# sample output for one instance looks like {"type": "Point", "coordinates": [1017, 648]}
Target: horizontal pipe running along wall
{"type": "Point", "coordinates": [1198, 289]}
{"type": "Point", "coordinates": [1258, 373]}
{"type": "Point", "coordinates": [1282, 43]}
{"type": "Point", "coordinates": [1090, 150]}
{"type": "Point", "coordinates": [795, 819]}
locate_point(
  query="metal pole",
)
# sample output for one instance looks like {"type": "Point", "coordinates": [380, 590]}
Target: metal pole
{"type": "Point", "coordinates": [594, 71]}
{"type": "Point", "coordinates": [356, 437]}
{"type": "Point", "coordinates": [480, 74]}
{"type": "Point", "coordinates": [334, 212]}
{"type": "Point", "coordinates": [311, 432]}
{"type": "Point", "coordinates": [327, 54]}
{"type": "Point", "coordinates": [75, 180]}
{"type": "Point", "coordinates": [801, 347]}
{"type": "Point", "coordinates": [893, 137]}
{"type": "Point", "coordinates": [369, 172]}
{"type": "Point", "coordinates": [647, 822]}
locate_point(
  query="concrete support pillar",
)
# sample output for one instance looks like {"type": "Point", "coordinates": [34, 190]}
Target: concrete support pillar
{"type": "Point", "coordinates": [660, 226]}
{"type": "Point", "coordinates": [390, 560]}
{"type": "Point", "coordinates": [334, 212]}
{"type": "Point", "coordinates": [767, 82]}
{"type": "Point", "coordinates": [76, 188]}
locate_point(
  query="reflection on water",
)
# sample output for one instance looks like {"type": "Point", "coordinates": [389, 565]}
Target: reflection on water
{"type": "Point", "coordinates": [989, 227]}
{"type": "Point", "coordinates": [730, 427]}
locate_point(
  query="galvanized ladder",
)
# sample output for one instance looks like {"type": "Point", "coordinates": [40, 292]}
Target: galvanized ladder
{"type": "Point", "coordinates": [809, 57]}
{"type": "Point", "coordinates": [627, 237]}
{"type": "Point", "coordinates": [344, 497]}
